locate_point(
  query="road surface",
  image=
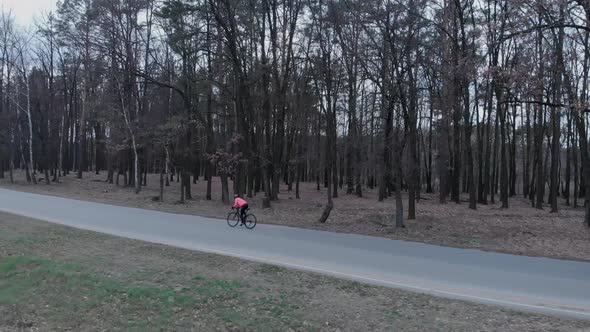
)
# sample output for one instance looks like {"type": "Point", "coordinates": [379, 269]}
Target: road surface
{"type": "Point", "coordinates": [540, 285]}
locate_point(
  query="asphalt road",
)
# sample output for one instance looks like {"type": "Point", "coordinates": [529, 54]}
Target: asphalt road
{"type": "Point", "coordinates": [541, 285]}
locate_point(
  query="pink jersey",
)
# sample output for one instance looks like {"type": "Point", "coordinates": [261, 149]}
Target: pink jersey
{"type": "Point", "coordinates": [239, 203]}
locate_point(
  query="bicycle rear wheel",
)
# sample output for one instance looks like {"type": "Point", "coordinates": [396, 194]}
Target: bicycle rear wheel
{"type": "Point", "coordinates": [233, 218]}
{"type": "Point", "coordinates": [250, 221]}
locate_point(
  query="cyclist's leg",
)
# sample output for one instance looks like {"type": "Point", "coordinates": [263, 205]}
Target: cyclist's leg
{"type": "Point", "coordinates": [243, 213]}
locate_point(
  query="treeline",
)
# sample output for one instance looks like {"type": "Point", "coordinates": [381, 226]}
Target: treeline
{"type": "Point", "coordinates": [486, 97]}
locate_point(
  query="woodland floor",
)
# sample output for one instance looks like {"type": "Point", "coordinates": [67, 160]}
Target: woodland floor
{"type": "Point", "coordinates": [518, 230]}
{"type": "Point", "coordinates": [59, 278]}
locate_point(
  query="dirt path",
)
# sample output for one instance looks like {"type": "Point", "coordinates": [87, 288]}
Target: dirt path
{"type": "Point", "coordinates": [519, 230]}
{"type": "Point", "coordinates": [59, 278]}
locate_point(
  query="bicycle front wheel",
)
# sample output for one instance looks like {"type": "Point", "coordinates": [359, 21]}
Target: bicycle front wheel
{"type": "Point", "coordinates": [233, 218]}
{"type": "Point", "coordinates": [250, 221]}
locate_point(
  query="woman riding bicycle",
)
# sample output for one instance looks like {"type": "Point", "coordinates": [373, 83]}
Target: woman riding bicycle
{"type": "Point", "coordinates": [241, 204]}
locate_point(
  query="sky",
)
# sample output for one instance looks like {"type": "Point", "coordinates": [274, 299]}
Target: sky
{"type": "Point", "coordinates": [25, 11]}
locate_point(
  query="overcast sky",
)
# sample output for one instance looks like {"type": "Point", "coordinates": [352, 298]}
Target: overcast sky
{"type": "Point", "coordinates": [25, 11]}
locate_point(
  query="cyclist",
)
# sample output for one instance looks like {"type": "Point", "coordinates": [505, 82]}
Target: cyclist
{"type": "Point", "coordinates": [241, 204]}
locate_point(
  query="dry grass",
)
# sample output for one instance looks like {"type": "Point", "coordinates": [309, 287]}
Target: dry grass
{"type": "Point", "coordinates": [518, 230]}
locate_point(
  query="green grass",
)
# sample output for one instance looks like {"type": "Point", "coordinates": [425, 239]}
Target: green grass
{"type": "Point", "coordinates": [69, 289]}
{"type": "Point", "coordinates": [270, 269]}
{"type": "Point", "coordinates": [474, 242]}
{"type": "Point", "coordinates": [392, 315]}
{"type": "Point", "coordinates": [355, 287]}
{"type": "Point", "coordinates": [70, 292]}
{"type": "Point", "coordinates": [25, 240]}
{"type": "Point", "coordinates": [18, 239]}
{"type": "Point", "coordinates": [263, 314]}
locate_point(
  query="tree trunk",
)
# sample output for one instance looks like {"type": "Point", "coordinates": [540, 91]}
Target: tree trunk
{"type": "Point", "coordinates": [575, 165]}
{"type": "Point", "coordinates": [224, 189]}
{"type": "Point", "coordinates": [386, 116]}
{"type": "Point", "coordinates": [456, 173]}
{"type": "Point", "coordinates": [328, 208]}
{"type": "Point", "coordinates": [556, 124]}
{"type": "Point", "coordinates": [162, 176]}
{"type": "Point", "coordinates": [526, 148]}
{"type": "Point", "coordinates": [61, 134]}
{"type": "Point", "coordinates": [350, 153]}
{"type": "Point", "coordinates": [513, 155]}
{"type": "Point", "coordinates": [411, 119]}
{"type": "Point", "coordinates": [503, 161]}
{"type": "Point", "coordinates": [209, 182]}
{"type": "Point", "coordinates": [443, 163]}
{"type": "Point", "coordinates": [81, 139]}
{"type": "Point", "coordinates": [167, 167]}
{"type": "Point", "coordinates": [182, 184]}
{"type": "Point", "coordinates": [110, 172]}
{"type": "Point", "coordinates": [568, 170]}
{"type": "Point", "coordinates": [494, 176]}
{"type": "Point", "coordinates": [317, 149]}
{"type": "Point", "coordinates": [480, 152]}
{"type": "Point", "coordinates": [539, 132]}
{"type": "Point", "coordinates": [430, 134]}
{"type": "Point", "coordinates": [469, 153]}
{"type": "Point", "coordinates": [399, 204]}
{"type": "Point", "coordinates": [488, 147]}
{"type": "Point", "coordinates": [136, 169]}
{"type": "Point", "coordinates": [186, 178]}
{"type": "Point", "coordinates": [414, 170]}
{"type": "Point", "coordinates": [540, 173]}
{"type": "Point", "coordinates": [330, 155]}
{"type": "Point", "coordinates": [385, 162]}
{"type": "Point", "coordinates": [297, 179]}
{"type": "Point", "coordinates": [29, 118]}
{"type": "Point", "coordinates": [11, 170]}
{"type": "Point", "coordinates": [330, 168]}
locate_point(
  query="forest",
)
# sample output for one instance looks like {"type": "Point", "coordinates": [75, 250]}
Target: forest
{"type": "Point", "coordinates": [476, 99]}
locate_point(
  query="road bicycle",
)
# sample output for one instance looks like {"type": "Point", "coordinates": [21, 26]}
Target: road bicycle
{"type": "Point", "coordinates": [233, 219]}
